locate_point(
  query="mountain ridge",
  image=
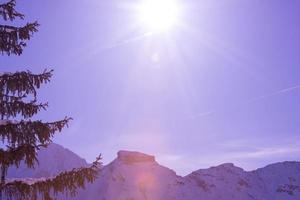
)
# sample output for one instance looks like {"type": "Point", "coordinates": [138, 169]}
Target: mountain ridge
{"type": "Point", "coordinates": [138, 176]}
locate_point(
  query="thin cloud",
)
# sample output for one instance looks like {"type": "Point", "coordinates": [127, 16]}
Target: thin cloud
{"type": "Point", "coordinates": [266, 152]}
{"type": "Point", "coordinates": [256, 149]}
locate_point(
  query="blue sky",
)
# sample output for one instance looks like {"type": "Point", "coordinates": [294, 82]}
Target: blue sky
{"type": "Point", "coordinates": [224, 86]}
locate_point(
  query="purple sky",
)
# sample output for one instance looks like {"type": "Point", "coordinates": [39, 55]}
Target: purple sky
{"type": "Point", "coordinates": [223, 87]}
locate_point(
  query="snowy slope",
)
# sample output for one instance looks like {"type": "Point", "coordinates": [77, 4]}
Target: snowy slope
{"type": "Point", "coordinates": [52, 160]}
{"type": "Point", "coordinates": [137, 176]}
{"type": "Point", "coordinates": [134, 176]}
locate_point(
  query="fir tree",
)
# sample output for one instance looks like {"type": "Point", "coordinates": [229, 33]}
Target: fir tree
{"type": "Point", "coordinates": [21, 136]}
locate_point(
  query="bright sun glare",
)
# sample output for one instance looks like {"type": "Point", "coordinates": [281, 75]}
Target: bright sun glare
{"type": "Point", "coordinates": [158, 15]}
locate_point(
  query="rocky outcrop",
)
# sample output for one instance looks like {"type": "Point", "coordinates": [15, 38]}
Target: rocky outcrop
{"type": "Point", "coordinates": [130, 157]}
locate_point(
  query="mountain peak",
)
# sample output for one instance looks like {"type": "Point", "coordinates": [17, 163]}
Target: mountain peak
{"type": "Point", "coordinates": [134, 157]}
{"type": "Point", "coordinates": [227, 165]}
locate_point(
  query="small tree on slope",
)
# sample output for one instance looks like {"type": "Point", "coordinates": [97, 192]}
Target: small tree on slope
{"type": "Point", "coordinates": [22, 139]}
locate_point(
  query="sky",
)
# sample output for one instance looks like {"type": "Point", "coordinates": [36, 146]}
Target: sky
{"type": "Point", "coordinates": [221, 86]}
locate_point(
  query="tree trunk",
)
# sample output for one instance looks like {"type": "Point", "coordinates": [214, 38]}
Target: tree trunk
{"type": "Point", "coordinates": [3, 171]}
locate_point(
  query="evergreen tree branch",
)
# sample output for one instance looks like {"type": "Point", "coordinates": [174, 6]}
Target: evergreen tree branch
{"type": "Point", "coordinates": [13, 156]}
{"type": "Point", "coordinates": [30, 132]}
{"type": "Point", "coordinates": [18, 107]}
{"type": "Point", "coordinates": [12, 39]}
{"type": "Point", "coordinates": [66, 183]}
{"type": "Point", "coordinates": [8, 12]}
{"type": "Point", "coordinates": [4, 97]}
{"type": "Point", "coordinates": [24, 139]}
{"type": "Point", "coordinates": [22, 83]}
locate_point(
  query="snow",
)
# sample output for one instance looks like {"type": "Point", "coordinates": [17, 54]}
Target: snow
{"type": "Point", "coordinates": [137, 176]}
{"type": "Point", "coordinates": [52, 160]}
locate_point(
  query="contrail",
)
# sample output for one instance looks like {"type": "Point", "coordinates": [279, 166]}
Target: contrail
{"type": "Point", "coordinates": [279, 92]}
{"type": "Point", "coordinates": [97, 48]}
{"type": "Point", "coordinates": [124, 42]}
{"type": "Point", "coordinates": [282, 91]}
{"type": "Point", "coordinates": [203, 114]}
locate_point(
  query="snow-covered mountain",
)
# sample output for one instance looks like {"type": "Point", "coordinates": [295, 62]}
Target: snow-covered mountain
{"type": "Point", "coordinates": [52, 161]}
{"type": "Point", "coordinates": [137, 176]}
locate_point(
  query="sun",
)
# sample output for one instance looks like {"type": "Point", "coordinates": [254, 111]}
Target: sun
{"type": "Point", "coordinates": [158, 15]}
